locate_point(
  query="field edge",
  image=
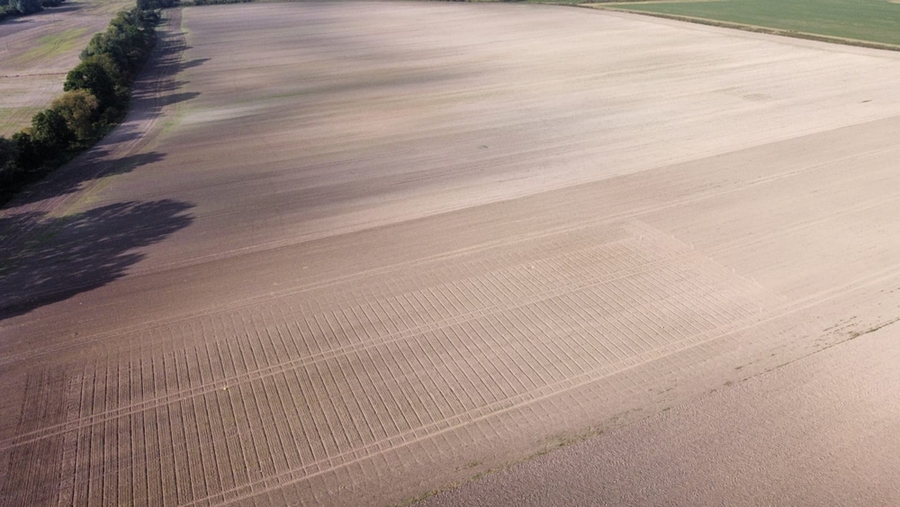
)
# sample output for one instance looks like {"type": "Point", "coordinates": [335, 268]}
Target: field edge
{"type": "Point", "coordinates": [622, 8]}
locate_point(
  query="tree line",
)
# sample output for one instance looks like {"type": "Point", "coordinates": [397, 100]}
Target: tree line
{"type": "Point", "coordinates": [10, 8]}
{"type": "Point", "coordinates": [95, 99]}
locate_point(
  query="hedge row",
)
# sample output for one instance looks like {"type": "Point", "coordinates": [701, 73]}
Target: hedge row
{"type": "Point", "coordinates": [95, 99]}
{"type": "Point", "coordinates": [11, 8]}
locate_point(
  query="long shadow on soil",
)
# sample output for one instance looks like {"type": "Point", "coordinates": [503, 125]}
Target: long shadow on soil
{"type": "Point", "coordinates": [62, 257]}
{"type": "Point", "coordinates": [196, 62]}
{"type": "Point", "coordinates": [71, 180]}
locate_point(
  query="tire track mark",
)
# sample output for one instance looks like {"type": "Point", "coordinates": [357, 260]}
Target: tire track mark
{"type": "Point", "coordinates": [515, 300]}
{"type": "Point", "coordinates": [628, 363]}
{"type": "Point", "coordinates": [402, 400]}
{"type": "Point", "coordinates": [486, 246]}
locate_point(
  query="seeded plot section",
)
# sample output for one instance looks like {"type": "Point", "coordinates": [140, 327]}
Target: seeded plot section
{"type": "Point", "coordinates": [307, 384]}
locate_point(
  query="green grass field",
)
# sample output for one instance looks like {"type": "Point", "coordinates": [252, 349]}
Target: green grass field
{"type": "Point", "coordinates": [865, 20]}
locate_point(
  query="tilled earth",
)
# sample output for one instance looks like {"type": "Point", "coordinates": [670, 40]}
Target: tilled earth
{"type": "Point", "coordinates": [351, 253]}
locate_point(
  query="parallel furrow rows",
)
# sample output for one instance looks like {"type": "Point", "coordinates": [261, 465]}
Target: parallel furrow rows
{"type": "Point", "coordinates": [287, 412]}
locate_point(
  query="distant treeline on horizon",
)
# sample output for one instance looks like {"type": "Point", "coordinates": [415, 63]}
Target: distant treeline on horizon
{"type": "Point", "coordinates": [10, 8]}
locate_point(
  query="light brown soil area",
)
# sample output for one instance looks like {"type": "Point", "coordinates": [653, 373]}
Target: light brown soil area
{"type": "Point", "coordinates": [37, 51]}
{"type": "Point", "coordinates": [352, 253]}
{"type": "Point", "coordinates": [824, 430]}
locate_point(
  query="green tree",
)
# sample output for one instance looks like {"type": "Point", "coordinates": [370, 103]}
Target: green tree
{"type": "Point", "coordinates": [92, 76]}
{"type": "Point", "coordinates": [50, 133]}
{"type": "Point", "coordinates": [110, 66]}
{"type": "Point", "coordinates": [29, 156]}
{"type": "Point", "coordinates": [26, 6]}
{"type": "Point", "coordinates": [146, 5]}
{"type": "Point", "coordinates": [9, 152]}
{"type": "Point", "coordinates": [103, 44]}
{"type": "Point", "coordinates": [128, 40]}
{"type": "Point", "coordinates": [79, 109]}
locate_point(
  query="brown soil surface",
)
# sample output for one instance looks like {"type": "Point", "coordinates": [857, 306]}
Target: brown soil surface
{"type": "Point", "coordinates": [37, 51]}
{"type": "Point", "coordinates": [352, 253]}
{"type": "Point", "coordinates": [824, 430]}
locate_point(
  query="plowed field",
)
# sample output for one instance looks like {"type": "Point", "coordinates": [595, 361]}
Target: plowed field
{"type": "Point", "coordinates": [350, 253]}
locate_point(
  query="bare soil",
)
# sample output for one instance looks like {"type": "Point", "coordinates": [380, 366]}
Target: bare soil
{"type": "Point", "coordinates": [353, 253]}
{"type": "Point", "coordinates": [819, 431]}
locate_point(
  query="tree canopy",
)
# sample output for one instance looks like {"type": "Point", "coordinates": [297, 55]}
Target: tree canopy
{"type": "Point", "coordinates": [26, 6]}
{"type": "Point", "coordinates": [92, 76]}
{"type": "Point", "coordinates": [79, 109]}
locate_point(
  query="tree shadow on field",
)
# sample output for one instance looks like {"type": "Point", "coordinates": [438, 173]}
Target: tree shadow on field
{"type": "Point", "coordinates": [156, 85]}
{"type": "Point", "coordinates": [90, 165]}
{"type": "Point", "coordinates": [196, 62]}
{"type": "Point", "coordinates": [175, 98]}
{"type": "Point", "coordinates": [67, 7]}
{"type": "Point", "coordinates": [13, 21]}
{"type": "Point", "coordinates": [171, 86]}
{"type": "Point", "coordinates": [61, 257]}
